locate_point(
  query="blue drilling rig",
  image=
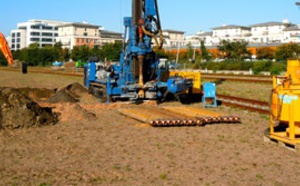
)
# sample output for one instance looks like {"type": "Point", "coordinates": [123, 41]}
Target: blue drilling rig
{"type": "Point", "coordinates": [138, 76]}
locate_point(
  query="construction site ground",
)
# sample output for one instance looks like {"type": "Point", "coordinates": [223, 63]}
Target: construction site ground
{"type": "Point", "coordinates": [93, 144]}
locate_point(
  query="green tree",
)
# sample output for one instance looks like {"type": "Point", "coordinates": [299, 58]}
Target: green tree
{"type": "Point", "coordinates": [75, 54]}
{"type": "Point", "coordinates": [285, 51]}
{"type": "Point", "coordinates": [236, 50]}
{"type": "Point", "coordinates": [190, 52]}
{"type": "Point", "coordinates": [162, 54]}
{"type": "Point", "coordinates": [65, 54]}
{"type": "Point", "coordinates": [111, 51]}
{"type": "Point", "coordinates": [265, 53]}
{"type": "Point", "coordinates": [204, 54]}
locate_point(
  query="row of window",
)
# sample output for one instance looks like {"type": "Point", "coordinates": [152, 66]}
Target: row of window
{"type": "Point", "coordinates": [14, 34]}
{"type": "Point", "coordinates": [43, 34]}
{"type": "Point", "coordinates": [43, 27]}
{"type": "Point", "coordinates": [78, 40]}
{"type": "Point", "coordinates": [43, 39]}
{"type": "Point", "coordinates": [14, 40]}
{"type": "Point", "coordinates": [13, 46]}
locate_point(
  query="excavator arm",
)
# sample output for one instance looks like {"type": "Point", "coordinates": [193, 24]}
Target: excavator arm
{"type": "Point", "coordinates": [6, 50]}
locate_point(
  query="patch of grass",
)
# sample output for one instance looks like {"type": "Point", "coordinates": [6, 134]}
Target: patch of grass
{"type": "Point", "coordinates": [163, 176]}
{"type": "Point", "coordinates": [259, 176]}
{"type": "Point", "coordinates": [117, 166]}
{"type": "Point", "coordinates": [99, 180]}
{"type": "Point", "coordinates": [221, 137]}
{"type": "Point", "coordinates": [44, 184]}
{"type": "Point", "coordinates": [244, 140]}
{"type": "Point", "coordinates": [278, 184]}
{"type": "Point", "coordinates": [128, 168]}
{"type": "Point", "coordinates": [116, 179]}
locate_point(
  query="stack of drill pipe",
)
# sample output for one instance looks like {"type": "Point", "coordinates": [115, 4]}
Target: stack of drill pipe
{"type": "Point", "coordinates": [192, 112]}
{"type": "Point", "coordinates": [176, 122]}
{"type": "Point", "coordinates": [173, 122]}
{"type": "Point", "coordinates": [194, 122]}
{"type": "Point", "coordinates": [221, 119]}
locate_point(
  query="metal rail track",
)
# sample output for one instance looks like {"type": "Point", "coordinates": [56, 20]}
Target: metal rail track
{"type": "Point", "coordinates": [240, 79]}
{"type": "Point", "coordinates": [243, 103]}
{"type": "Point", "coordinates": [252, 79]}
{"type": "Point", "coordinates": [43, 71]}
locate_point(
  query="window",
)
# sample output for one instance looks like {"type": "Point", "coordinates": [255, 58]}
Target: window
{"type": "Point", "coordinates": [85, 34]}
{"type": "Point", "coordinates": [44, 45]}
{"type": "Point", "coordinates": [55, 34]}
{"type": "Point", "coordinates": [18, 46]}
{"type": "Point", "coordinates": [34, 39]}
{"type": "Point", "coordinates": [18, 34]}
{"type": "Point", "coordinates": [13, 35]}
{"type": "Point", "coordinates": [87, 40]}
{"type": "Point", "coordinates": [47, 27]}
{"type": "Point", "coordinates": [12, 46]}
{"type": "Point", "coordinates": [13, 40]}
{"type": "Point", "coordinates": [34, 33]}
{"type": "Point", "coordinates": [35, 26]}
{"type": "Point", "coordinates": [47, 40]}
{"type": "Point", "coordinates": [18, 40]}
{"type": "Point", "coordinates": [47, 34]}
{"type": "Point", "coordinates": [55, 28]}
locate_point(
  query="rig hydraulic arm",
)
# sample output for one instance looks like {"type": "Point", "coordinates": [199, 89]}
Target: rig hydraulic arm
{"type": "Point", "coordinates": [6, 50]}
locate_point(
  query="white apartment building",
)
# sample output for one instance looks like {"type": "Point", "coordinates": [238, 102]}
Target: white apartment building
{"type": "Point", "coordinates": [195, 40]}
{"type": "Point", "coordinates": [292, 34]}
{"type": "Point", "coordinates": [231, 33]}
{"type": "Point", "coordinates": [270, 32]}
{"type": "Point", "coordinates": [263, 33]}
{"type": "Point", "coordinates": [43, 32]}
{"type": "Point", "coordinates": [173, 38]}
{"type": "Point", "coordinates": [77, 34]}
{"type": "Point", "coordinates": [110, 37]}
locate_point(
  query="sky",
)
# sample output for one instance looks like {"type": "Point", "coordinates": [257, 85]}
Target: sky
{"type": "Point", "coordinates": [189, 16]}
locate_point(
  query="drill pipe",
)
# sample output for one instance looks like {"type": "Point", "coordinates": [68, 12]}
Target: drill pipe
{"type": "Point", "coordinates": [198, 121]}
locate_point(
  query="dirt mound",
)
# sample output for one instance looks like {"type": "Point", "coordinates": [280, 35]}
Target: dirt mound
{"type": "Point", "coordinates": [19, 111]}
{"type": "Point", "coordinates": [37, 94]}
{"type": "Point", "coordinates": [71, 112]}
{"type": "Point", "coordinates": [70, 93]}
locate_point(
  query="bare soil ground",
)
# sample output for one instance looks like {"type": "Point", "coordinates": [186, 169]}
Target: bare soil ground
{"type": "Point", "coordinates": [92, 144]}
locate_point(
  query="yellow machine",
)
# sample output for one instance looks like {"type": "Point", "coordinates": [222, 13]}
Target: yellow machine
{"type": "Point", "coordinates": [194, 75]}
{"type": "Point", "coordinates": [285, 106]}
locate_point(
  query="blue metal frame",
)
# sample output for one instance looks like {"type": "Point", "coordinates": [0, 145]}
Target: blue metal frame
{"type": "Point", "coordinates": [209, 90]}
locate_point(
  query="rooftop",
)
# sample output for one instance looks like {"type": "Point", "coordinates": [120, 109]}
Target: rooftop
{"type": "Point", "coordinates": [80, 25]}
{"type": "Point", "coordinates": [273, 23]}
{"type": "Point", "coordinates": [231, 27]}
{"type": "Point", "coordinates": [173, 31]}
